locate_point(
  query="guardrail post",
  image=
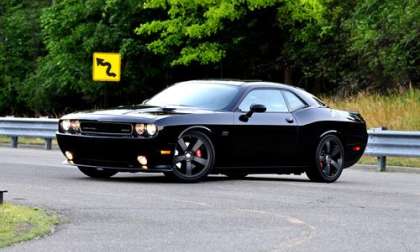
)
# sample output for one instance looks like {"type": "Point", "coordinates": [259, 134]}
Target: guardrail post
{"type": "Point", "coordinates": [48, 143]}
{"type": "Point", "coordinates": [14, 142]}
{"type": "Point", "coordinates": [1, 196]}
{"type": "Point", "coordinates": [382, 163]}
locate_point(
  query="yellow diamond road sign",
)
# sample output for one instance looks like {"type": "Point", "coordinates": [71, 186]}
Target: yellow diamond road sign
{"type": "Point", "coordinates": [106, 66]}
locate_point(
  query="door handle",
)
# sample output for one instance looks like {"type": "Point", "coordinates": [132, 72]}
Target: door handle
{"type": "Point", "coordinates": [289, 119]}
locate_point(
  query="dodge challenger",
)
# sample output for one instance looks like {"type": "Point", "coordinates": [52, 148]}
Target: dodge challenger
{"type": "Point", "coordinates": [200, 127]}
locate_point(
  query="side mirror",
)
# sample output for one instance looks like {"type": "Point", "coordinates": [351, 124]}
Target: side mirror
{"type": "Point", "coordinates": [145, 101]}
{"type": "Point", "coordinates": [254, 108]}
{"type": "Point", "coordinates": [257, 108]}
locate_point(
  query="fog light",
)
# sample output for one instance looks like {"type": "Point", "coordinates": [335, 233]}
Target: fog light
{"type": "Point", "coordinates": [69, 155]}
{"type": "Point", "coordinates": [356, 148]}
{"type": "Point", "coordinates": [142, 160]}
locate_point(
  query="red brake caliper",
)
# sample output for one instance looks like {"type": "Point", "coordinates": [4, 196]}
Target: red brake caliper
{"type": "Point", "coordinates": [198, 153]}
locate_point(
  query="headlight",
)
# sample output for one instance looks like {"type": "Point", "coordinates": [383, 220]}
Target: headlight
{"type": "Point", "coordinates": [70, 125]}
{"type": "Point", "coordinates": [146, 129]}
{"type": "Point", "coordinates": [65, 125]}
{"type": "Point", "coordinates": [151, 129]}
{"type": "Point", "coordinates": [140, 128]}
{"type": "Point", "coordinates": [75, 125]}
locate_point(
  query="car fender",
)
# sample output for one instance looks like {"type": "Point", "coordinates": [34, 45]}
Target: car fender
{"type": "Point", "coordinates": [196, 127]}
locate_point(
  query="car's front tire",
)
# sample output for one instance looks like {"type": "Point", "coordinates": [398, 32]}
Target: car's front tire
{"type": "Point", "coordinates": [329, 160]}
{"type": "Point", "coordinates": [194, 157]}
{"type": "Point", "coordinates": [94, 173]}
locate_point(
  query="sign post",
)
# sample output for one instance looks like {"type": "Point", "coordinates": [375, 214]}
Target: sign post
{"type": "Point", "coordinates": [106, 67]}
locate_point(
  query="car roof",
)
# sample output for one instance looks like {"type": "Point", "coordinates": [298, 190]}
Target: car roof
{"type": "Point", "coordinates": [306, 96]}
{"type": "Point", "coordinates": [257, 83]}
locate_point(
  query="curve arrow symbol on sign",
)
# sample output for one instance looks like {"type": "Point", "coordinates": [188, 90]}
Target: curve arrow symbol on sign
{"type": "Point", "coordinates": [102, 62]}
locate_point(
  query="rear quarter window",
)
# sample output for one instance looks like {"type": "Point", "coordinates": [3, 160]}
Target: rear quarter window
{"type": "Point", "coordinates": [294, 101]}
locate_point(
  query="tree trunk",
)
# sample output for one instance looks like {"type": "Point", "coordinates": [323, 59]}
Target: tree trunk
{"type": "Point", "coordinates": [288, 75]}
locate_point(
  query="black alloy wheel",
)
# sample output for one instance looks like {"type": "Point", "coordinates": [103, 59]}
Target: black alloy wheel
{"type": "Point", "coordinates": [193, 158]}
{"type": "Point", "coordinates": [329, 160]}
{"type": "Point", "coordinates": [95, 173]}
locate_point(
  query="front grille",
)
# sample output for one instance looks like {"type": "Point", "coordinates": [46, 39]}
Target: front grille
{"type": "Point", "coordinates": [106, 128]}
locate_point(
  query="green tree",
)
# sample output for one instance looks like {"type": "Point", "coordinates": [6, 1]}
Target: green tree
{"type": "Point", "coordinates": [335, 46]}
{"type": "Point", "coordinates": [318, 44]}
{"type": "Point", "coordinates": [214, 32]}
{"type": "Point", "coordinates": [73, 30]}
{"type": "Point", "coordinates": [20, 47]}
{"type": "Point", "coordinates": [385, 37]}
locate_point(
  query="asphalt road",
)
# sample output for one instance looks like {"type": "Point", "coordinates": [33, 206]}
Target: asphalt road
{"type": "Point", "coordinates": [363, 211]}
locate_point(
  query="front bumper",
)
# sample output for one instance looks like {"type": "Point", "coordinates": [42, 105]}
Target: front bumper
{"type": "Point", "coordinates": [117, 153]}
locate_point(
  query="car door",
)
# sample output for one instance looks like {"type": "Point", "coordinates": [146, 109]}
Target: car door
{"type": "Point", "coordinates": [268, 138]}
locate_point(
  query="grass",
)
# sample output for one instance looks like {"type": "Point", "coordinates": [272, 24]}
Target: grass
{"type": "Point", "coordinates": [21, 223]}
{"type": "Point", "coordinates": [25, 140]}
{"type": "Point", "coordinates": [392, 161]}
{"type": "Point", "coordinates": [397, 111]}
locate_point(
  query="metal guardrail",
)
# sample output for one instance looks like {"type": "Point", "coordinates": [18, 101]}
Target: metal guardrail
{"type": "Point", "coordinates": [14, 128]}
{"type": "Point", "coordinates": [383, 143]}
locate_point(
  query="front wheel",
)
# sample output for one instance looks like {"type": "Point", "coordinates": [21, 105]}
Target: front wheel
{"type": "Point", "coordinates": [329, 160]}
{"type": "Point", "coordinates": [95, 173]}
{"type": "Point", "coordinates": [193, 158]}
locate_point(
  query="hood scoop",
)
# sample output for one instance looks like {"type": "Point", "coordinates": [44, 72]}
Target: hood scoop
{"type": "Point", "coordinates": [160, 111]}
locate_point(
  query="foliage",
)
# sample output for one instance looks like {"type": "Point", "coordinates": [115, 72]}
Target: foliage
{"type": "Point", "coordinates": [327, 44]}
{"type": "Point", "coordinates": [72, 31]}
{"type": "Point", "coordinates": [20, 46]}
{"type": "Point", "coordinates": [397, 111]}
{"type": "Point", "coordinates": [332, 46]}
{"type": "Point", "coordinates": [385, 35]}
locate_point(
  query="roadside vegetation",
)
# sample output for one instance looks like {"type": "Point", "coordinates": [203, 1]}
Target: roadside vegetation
{"type": "Point", "coordinates": [25, 141]}
{"type": "Point", "coordinates": [328, 47]}
{"type": "Point", "coordinates": [392, 161]}
{"type": "Point", "coordinates": [395, 111]}
{"type": "Point", "coordinates": [20, 223]}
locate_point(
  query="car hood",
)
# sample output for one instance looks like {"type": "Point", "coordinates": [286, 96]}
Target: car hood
{"type": "Point", "coordinates": [142, 113]}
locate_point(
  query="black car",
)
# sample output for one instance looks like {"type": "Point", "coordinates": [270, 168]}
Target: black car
{"type": "Point", "coordinates": [194, 128]}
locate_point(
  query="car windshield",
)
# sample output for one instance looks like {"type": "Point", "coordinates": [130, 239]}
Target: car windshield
{"type": "Point", "coordinates": [211, 96]}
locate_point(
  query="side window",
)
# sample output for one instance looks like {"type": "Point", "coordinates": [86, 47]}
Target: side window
{"type": "Point", "coordinates": [272, 99]}
{"type": "Point", "coordinates": [295, 102]}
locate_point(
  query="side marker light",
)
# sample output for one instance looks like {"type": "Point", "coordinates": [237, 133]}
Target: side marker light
{"type": "Point", "coordinates": [165, 152]}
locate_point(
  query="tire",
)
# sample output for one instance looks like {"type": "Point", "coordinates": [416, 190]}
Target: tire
{"type": "Point", "coordinates": [236, 174]}
{"type": "Point", "coordinates": [329, 160]}
{"type": "Point", "coordinates": [94, 173]}
{"type": "Point", "coordinates": [194, 157]}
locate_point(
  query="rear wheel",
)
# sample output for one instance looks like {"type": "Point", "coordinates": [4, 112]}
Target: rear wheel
{"type": "Point", "coordinates": [95, 173]}
{"type": "Point", "coordinates": [193, 158]}
{"type": "Point", "coordinates": [329, 160]}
